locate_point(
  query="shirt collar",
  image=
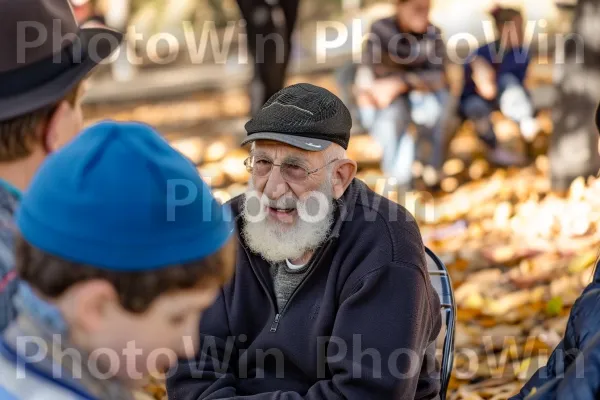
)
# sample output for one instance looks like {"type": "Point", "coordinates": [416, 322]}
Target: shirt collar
{"type": "Point", "coordinates": [12, 189]}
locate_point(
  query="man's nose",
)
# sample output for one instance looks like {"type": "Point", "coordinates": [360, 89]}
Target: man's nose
{"type": "Point", "coordinates": [276, 186]}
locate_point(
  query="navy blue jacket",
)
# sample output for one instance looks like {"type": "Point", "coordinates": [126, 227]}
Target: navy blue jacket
{"type": "Point", "coordinates": [580, 382]}
{"type": "Point", "coordinates": [367, 291]}
{"type": "Point", "coordinates": [582, 326]}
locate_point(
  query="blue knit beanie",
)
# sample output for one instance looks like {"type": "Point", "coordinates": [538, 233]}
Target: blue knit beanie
{"type": "Point", "coordinates": [119, 197]}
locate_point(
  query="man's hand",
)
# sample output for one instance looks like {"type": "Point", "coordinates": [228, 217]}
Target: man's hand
{"type": "Point", "coordinates": [384, 91]}
{"type": "Point", "coordinates": [377, 92]}
{"type": "Point", "coordinates": [484, 77]}
{"type": "Point", "coordinates": [427, 81]}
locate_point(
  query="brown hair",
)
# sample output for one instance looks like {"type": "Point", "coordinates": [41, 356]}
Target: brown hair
{"type": "Point", "coordinates": [52, 275]}
{"type": "Point", "coordinates": [19, 135]}
{"type": "Point", "coordinates": [503, 15]}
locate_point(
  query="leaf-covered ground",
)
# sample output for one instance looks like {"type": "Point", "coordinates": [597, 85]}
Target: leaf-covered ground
{"type": "Point", "coordinates": [519, 255]}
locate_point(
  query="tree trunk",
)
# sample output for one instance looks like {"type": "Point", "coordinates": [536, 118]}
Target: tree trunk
{"type": "Point", "coordinates": [574, 142]}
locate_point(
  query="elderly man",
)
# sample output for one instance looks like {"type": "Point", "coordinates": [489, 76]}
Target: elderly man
{"type": "Point", "coordinates": [331, 297]}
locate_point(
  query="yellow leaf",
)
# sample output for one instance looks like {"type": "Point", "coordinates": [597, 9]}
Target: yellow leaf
{"type": "Point", "coordinates": [582, 261]}
{"type": "Point", "coordinates": [554, 306]}
{"type": "Point", "coordinates": [533, 391]}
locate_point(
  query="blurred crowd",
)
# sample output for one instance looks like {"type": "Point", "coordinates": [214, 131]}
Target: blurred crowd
{"type": "Point", "coordinates": [401, 84]}
{"type": "Point", "coordinates": [388, 94]}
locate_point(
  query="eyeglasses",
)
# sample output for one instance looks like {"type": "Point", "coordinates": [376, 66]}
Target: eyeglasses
{"type": "Point", "coordinates": [291, 172]}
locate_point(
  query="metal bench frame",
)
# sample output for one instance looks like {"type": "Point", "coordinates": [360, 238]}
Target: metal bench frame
{"type": "Point", "coordinates": [449, 311]}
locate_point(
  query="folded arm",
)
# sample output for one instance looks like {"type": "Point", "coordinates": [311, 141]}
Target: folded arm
{"type": "Point", "coordinates": [433, 77]}
{"type": "Point", "coordinates": [380, 84]}
{"type": "Point", "coordinates": [484, 77]}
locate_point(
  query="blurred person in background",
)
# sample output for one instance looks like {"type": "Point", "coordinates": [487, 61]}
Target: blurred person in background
{"type": "Point", "coordinates": [114, 14]}
{"type": "Point", "coordinates": [269, 27]}
{"type": "Point", "coordinates": [40, 109]}
{"type": "Point", "coordinates": [495, 80]}
{"type": "Point", "coordinates": [324, 264]}
{"type": "Point", "coordinates": [403, 80]}
{"type": "Point", "coordinates": [573, 369]}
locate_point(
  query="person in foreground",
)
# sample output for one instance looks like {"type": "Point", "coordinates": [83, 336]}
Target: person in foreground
{"type": "Point", "coordinates": [331, 298]}
{"type": "Point", "coordinates": [115, 269]}
{"type": "Point", "coordinates": [573, 369]}
{"type": "Point", "coordinates": [40, 107]}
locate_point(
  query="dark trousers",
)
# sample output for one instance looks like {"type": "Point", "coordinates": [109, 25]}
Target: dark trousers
{"type": "Point", "coordinates": [269, 30]}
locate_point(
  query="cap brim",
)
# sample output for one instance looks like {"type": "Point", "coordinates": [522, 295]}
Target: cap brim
{"type": "Point", "coordinates": [97, 45]}
{"type": "Point", "coordinates": [304, 143]}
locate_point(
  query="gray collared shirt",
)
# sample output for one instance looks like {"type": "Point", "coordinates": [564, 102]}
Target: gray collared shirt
{"type": "Point", "coordinates": [286, 280]}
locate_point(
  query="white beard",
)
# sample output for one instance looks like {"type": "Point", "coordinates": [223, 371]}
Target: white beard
{"type": "Point", "coordinates": [276, 241]}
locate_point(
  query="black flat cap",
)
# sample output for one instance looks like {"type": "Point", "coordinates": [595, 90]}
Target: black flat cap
{"type": "Point", "coordinates": [302, 115]}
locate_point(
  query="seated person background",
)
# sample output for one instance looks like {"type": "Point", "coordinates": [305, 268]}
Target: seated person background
{"type": "Point", "coordinates": [402, 81]}
{"type": "Point", "coordinates": [111, 264]}
{"type": "Point", "coordinates": [583, 324]}
{"type": "Point", "coordinates": [331, 298]}
{"type": "Point", "coordinates": [494, 80]}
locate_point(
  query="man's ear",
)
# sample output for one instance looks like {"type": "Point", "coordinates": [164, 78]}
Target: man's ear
{"type": "Point", "coordinates": [50, 135]}
{"type": "Point", "coordinates": [88, 303]}
{"type": "Point", "coordinates": [345, 171]}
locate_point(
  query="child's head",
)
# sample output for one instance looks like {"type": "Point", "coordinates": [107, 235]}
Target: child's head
{"type": "Point", "coordinates": [509, 23]}
{"type": "Point", "coordinates": [123, 236]}
{"type": "Point", "coordinates": [159, 310]}
{"type": "Point", "coordinates": [413, 15]}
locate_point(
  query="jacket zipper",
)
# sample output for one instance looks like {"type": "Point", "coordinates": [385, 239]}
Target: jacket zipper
{"type": "Point", "coordinates": [264, 286]}
{"type": "Point", "coordinates": [276, 322]}
{"type": "Point", "coordinates": [311, 270]}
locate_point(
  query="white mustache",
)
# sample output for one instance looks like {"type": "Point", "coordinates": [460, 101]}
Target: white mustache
{"type": "Point", "coordinates": [284, 203]}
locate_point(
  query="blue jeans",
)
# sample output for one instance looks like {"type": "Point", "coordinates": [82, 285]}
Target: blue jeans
{"type": "Point", "coordinates": [513, 101]}
{"type": "Point", "coordinates": [389, 127]}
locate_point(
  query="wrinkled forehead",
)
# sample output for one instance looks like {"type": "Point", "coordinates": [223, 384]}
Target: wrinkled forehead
{"type": "Point", "coordinates": [280, 151]}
